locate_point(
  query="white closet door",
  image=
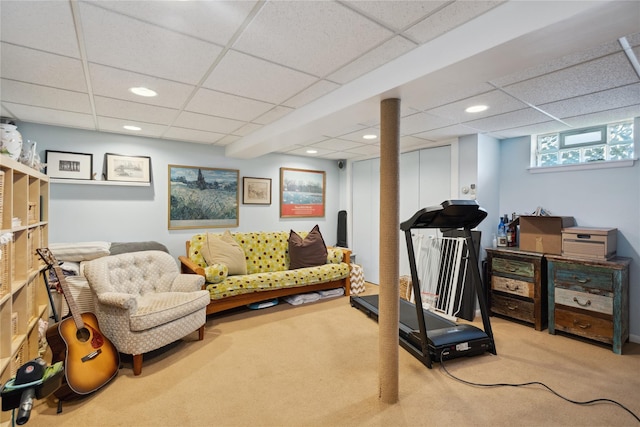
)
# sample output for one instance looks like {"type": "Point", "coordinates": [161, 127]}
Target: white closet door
{"type": "Point", "coordinates": [425, 180]}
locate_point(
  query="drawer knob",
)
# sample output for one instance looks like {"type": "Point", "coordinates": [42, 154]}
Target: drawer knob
{"type": "Point", "coordinates": [581, 325]}
{"type": "Point", "coordinates": [512, 288]}
{"type": "Point", "coordinates": [583, 281]}
{"type": "Point", "coordinates": [512, 307]}
{"type": "Point", "coordinates": [585, 304]}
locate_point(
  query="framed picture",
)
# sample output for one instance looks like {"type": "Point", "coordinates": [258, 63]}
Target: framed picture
{"type": "Point", "coordinates": [301, 193]}
{"type": "Point", "coordinates": [256, 191]}
{"type": "Point", "coordinates": [202, 197]}
{"type": "Point", "coordinates": [127, 168]}
{"type": "Point", "coordinates": [68, 165]}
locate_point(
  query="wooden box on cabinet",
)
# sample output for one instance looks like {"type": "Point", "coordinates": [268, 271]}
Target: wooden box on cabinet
{"type": "Point", "coordinates": [518, 286]}
{"type": "Point", "coordinates": [590, 298]}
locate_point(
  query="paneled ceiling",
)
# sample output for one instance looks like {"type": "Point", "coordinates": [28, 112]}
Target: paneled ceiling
{"type": "Point", "coordinates": [287, 76]}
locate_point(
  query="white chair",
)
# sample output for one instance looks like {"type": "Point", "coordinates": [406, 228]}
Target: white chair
{"type": "Point", "coordinates": [143, 302]}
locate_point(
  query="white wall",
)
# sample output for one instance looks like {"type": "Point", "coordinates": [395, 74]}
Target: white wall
{"type": "Point", "coordinates": [596, 198]}
{"type": "Point", "coordinates": [115, 213]}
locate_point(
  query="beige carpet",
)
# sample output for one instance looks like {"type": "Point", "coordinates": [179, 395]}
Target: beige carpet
{"type": "Point", "coordinates": [316, 365]}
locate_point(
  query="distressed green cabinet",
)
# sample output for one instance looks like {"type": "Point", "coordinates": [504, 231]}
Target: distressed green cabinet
{"type": "Point", "coordinates": [517, 285]}
{"type": "Point", "coordinates": [590, 298]}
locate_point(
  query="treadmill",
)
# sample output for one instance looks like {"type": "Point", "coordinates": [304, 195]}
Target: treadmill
{"type": "Point", "coordinates": [423, 333]}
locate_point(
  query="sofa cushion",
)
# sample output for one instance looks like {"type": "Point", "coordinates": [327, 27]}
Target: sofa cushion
{"type": "Point", "coordinates": [308, 252]}
{"type": "Point", "coordinates": [226, 251]}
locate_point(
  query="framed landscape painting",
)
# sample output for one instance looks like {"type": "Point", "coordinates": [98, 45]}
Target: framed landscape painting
{"type": "Point", "coordinates": [127, 168]}
{"type": "Point", "coordinates": [302, 193]}
{"type": "Point", "coordinates": [69, 165]}
{"type": "Point", "coordinates": [256, 191]}
{"type": "Point", "coordinates": [202, 197]}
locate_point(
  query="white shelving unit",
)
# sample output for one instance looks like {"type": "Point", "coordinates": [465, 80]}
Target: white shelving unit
{"type": "Point", "coordinates": [95, 182]}
{"type": "Point", "coordinates": [24, 300]}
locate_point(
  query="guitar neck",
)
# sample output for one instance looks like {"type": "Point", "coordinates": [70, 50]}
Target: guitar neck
{"type": "Point", "coordinates": [73, 307]}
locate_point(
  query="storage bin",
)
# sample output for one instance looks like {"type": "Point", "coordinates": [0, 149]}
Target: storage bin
{"type": "Point", "coordinates": [590, 242]}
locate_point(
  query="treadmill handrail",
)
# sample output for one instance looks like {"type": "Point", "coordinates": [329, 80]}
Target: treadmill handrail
{"type": "Point", "coordinates": [450, 214]}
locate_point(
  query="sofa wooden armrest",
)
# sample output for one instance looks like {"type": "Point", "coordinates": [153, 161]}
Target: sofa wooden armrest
{"type": "Point", "coordinates": [189, 267]}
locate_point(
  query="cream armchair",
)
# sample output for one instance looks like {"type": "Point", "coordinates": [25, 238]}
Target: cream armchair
{"type": "Point", "coordinates": [142, 302]}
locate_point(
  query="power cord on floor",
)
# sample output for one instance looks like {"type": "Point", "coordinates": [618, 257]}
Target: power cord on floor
{"type": "Point", "coordinates": [588, 402]}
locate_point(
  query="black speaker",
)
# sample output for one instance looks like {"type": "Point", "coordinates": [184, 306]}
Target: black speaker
{"type": "Point", "coordinates": [342, 229]}
{"type": "Point", "coordinates": [341, 164]}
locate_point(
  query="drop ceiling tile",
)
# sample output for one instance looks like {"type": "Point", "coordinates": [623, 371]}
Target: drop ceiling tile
{"type": "Point", "coordinates": [43, 25]}
{"type": "Point", "coordinates": [115, 125]}
{"type": "Point", "coordinates": [34, 66]}
{"type": "Point", "coordinates": [453, 15]}
{"type": "Point", "coordinates": [193, 135]}
{"type": "Point", "coordinates": [286, 32]}
{"type": "Point", "coordinates": [156, 51]}
{"type": "Point", "coordinates": [227, 139]}
{"type": "Point", "coordinates": [336, 144]}
{"type": "Point", "coordinates": [566, 61]}
{"type": "Point", "coordinates": [599, 101]}
{"type": "Point", "coordinates": [246, 129]}
{"type": "Point", "coordinates": [603, 117]}
{"type": "Point", "coordinates": [366, 150]}
{"type": "Point", "coordinates": [412, 143]}
{"type": "Point", "coordinates": [115, 83]}
{"type": "Point", "coordinates": [220, 104]}
{"type": "Point", "coordinates": [313, 92]}
{"type": "Point", "coordinates": [497, 101]}
{"type": "Point", "coordinates": [333, 133]}
{"type": "Point", "coordinates": [537, 129]}
{"type": "Point", "coordinates": [396, 14]}
{"type": "Point", "coordinates": [373, 59]}
{"type": "Point", "coordinates": [446, 132]}
{"type": "Point", "coordinates": [49, 116]}
{"type": "Point", "coordinates": [254, 78]}
{"type": "Point", "coordinates": [303, 152]}
{"type": "Point", "coordinates": [214, 21]}
{"type": "Point", "coordinates": [272, 115]}
{"type": "Point", "coordinates": [357, 136]}
{"type": "Point", "coordinates": [593, 76]}
{"type": "Point", "coordinates": [421, 122]}
{"type": "Point", "coordinates": [509, 120]}
{"type": "Point", "coordinates": [109, 107]}
{"type": "Point", "coordinates": [207, 123]}
{"type": "Point", "coordinates": [44, 96]}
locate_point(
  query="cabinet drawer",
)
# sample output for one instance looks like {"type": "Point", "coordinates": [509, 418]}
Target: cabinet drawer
{"type": "Point", "coordinates": [586, 301]}
{"type": "Point", "coordinates": [512, 286]}
{"type": "Point", "coordinates": [512, 266]}
{"type": "Point", "coordinates": [584, 325]}
{"type": "Point", "coordinates": [512, 307]}
{"type": "Point", "coordinates": [575, 275]}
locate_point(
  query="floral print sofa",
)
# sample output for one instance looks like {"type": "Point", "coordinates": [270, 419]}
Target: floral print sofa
{"type": "Point", "coordinates": [268, 274]}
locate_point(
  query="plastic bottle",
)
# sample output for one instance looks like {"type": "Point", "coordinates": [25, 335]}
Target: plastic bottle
{"type": "Point", "coordinates": [502, 233]}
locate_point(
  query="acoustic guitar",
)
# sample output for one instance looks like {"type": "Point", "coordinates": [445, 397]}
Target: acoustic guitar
{"type": "Point", "coordinates": [90, 359]}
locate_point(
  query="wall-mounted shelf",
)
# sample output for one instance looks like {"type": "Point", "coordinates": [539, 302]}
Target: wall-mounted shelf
{"type": "Point", "coordinates": [95, 182]}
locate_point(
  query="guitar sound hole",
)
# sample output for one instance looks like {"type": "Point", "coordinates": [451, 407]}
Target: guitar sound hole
{"type": "Point", "coordinates": [83, 334]}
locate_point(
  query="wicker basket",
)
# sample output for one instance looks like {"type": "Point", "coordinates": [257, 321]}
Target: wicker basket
{"type": "Point", "coordinates": [4, 270]}
{"type": "Point", "coordinates": [405, 287]}
{"type": "Point", "coordinates": [31, 215]}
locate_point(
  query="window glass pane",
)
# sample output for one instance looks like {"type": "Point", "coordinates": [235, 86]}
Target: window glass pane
{"type": "Point", "coordinates": [594, 154]}
{"type": "Point", "coordinates": [621, 152]}
{"type": "Point", "coordinates": [570, 157]}
{"type": "Point", "coordinates": [583, 138]}
{"type": "Point", "coordinates": [548, 143]}
{"type": "Point", "coordinates": [621, 133]}
{"type": "Point", "coordinates": [550, 159]}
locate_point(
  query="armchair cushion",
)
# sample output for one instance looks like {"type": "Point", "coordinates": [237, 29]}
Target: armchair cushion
{"type": "Point", "coordinates": [160, 308]}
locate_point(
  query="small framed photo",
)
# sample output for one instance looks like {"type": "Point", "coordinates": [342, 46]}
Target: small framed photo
{"type": "Point", "coordinates": [127, 168]}
{"type": "Point", "coordinates": [69, 165]}
{"type": "Point", "coordinates": [256, 191]}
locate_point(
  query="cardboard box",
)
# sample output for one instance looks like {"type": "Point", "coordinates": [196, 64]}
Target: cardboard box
{"type": "Point", "coordinates": [543, 233]}
{"type": "Point", "coordinates": [589, 242]}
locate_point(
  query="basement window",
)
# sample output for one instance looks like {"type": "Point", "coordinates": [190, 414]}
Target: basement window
{"type": "Point", "coordinates": [606, 143]}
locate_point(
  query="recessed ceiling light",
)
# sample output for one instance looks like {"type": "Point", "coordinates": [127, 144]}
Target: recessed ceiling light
{"type": "Point", "coordinates": [369, 136]}
{"type": "Point", "coordinates": [143, 91]}
{"type": "Point", "coordinates": [312, 151]}
{"type": "Point", "coordinates": [130, 127]}
{"type": "Point", "coordinates": [476, 108]}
